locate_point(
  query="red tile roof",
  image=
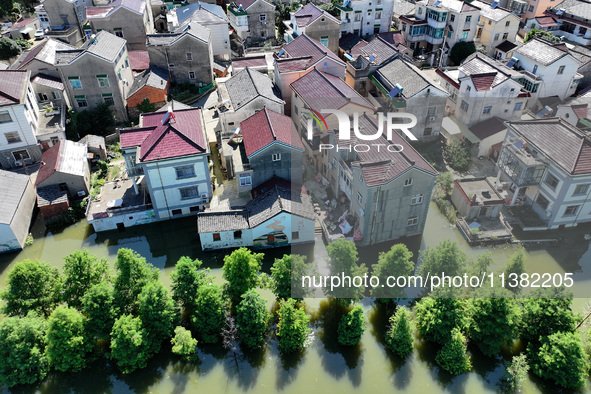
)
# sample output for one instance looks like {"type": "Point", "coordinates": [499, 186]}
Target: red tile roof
{"type": "Point", "coordinates": [22, 23]}
{"type": "Point", "coordinates": [264, 128]}
{"type": "Point", "coordinates": [49, 163]}
{"type": "Point", "coordinates": [483, 81]}
{"type": "Point", "coordinates": [580, 110]}
{"type": "Point", "coordinates": [139, 60]}
{"type": "Point", "coordinates": [307, 14]}
{"type": "Point", "coordinates": [12, 86]}
{"type": "Point", "coordinates": [292, 64]}
{"type": "Point", "coordinates": [306, 46]}
{"type": "Point", "coordinates": [252, 61]}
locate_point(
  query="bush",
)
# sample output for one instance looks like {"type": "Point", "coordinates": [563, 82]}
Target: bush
{"type": "Point", "coordinates": [351, 327]}
{"type": "Point", "coordinates": [9, 48]}
{"type": "Point", "coordinates": [543, 34]}
{"type": "Point", "coordinates": [453, 356]}
{"type": "Point", "coordinates": [399, 338]}
{"type": "Point", "coordinates": [458, 156]}
{"type": "Point", "coordinates": [461, 51]}
{"type": "Point", "coordinates": [183, 344]}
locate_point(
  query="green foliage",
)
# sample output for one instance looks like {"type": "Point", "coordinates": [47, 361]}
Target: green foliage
{"type": "Point", "coordinates": [446, 257]}
{"type": "Point", "coordinates": [82, 271]}
{"type": "Point", "coordinates": [561, 359]}
{"type": "Point", "coordinates": [515, 375]}
{"type": "Point", "coordinates": [286, 274]}
{"type": "Point", "coordinates": [30, 240]}
{"type": "Point", "coordinates": [22, 350]}
{"type": "Point", "coordinates": [23, 44]}
{"type": "Point", "coordinates": [445, 183]}
{"type": "Point", "coordinates": [460, 51]}
{"type": "Point", "coordinates": [399, 338]}
{"type": "Point", "coordinates": [252, 318]}
{"type": "Point", "coordinates": [158, 314]}
{"type": "Point", "coordinates": [515, 265]}
{"type": "Point", "coordinates": [437, 317]}
{"type": "Point", "coordinates": [187, 278]}
{"type": "Point", "coordinates": [542, 34]}
{"type": "Point", "coordinates": [146, 106]}
{"type": "Point", "coordinates": [331, 9]}
{"type": "Point", "coordinates": [183, 344]}
{"type": "Point", "coordinates": [282, 13]}
{"type": "Point", "coordinates": [548, 311]}
{"type": "Point", "coordinates": [351, 327]}
{"type": "Point", "coordinates": [97, 306]}
{"type": "Point", "coordinates": [133, 273]}
{"type": "Point", "coordinates": [129, 346]}
{"type": "Point", "coordinates": [481, 265]}
{"type": "Point", "coordinates": [447, 209]}
{"type": "Point", "coordinates": [292, 328]}
{"type": "Point", "coordinates": [395, 262]}
{"type": "Point", "coordinates": [210, 312]}
{"type": "Point", "coordinates": [457, 155]}
{"type": "Point", "coordinates": [453, 356]}
{"type": "Point", "coordinates": [9, 48]}
{"type": "Point", "coordinates": [67, 344]}
{"type": "Point", "coordinates": [343, 259]}
{"type": "Point", "coordinates": [103, 168]}
{"type": "Point", "coordinates": [241, 269]}
{"type": "Point", "coordinates": [32, 286]}
{"type": "Point", "coordinates": [99, 121]}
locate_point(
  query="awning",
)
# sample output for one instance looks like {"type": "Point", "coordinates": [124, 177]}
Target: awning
{"type": "Point", "coordinates": [27, 30]}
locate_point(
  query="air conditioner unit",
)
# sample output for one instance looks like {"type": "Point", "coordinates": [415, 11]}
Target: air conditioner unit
{"type": "Point", "coordinates": [431, 118]}
{"type": "Point", "coordinates": [81, 193]}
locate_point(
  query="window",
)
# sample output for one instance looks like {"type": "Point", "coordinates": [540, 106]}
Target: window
{"type": "Point", "coordinates": [81, 101]}
{"type": "Point", "coordinates": [408, 182]}
{"type": "Point", "coordinates": [75, 82]}
{"type": "Point", "coordinates": [245, 179]}
{"type": "Point", "coordinates": [188, 193]}
{"type": "Point", "coordinates": [551, 181]}
{"type": "Point", "coordinates": [431, 111]}
{"type": "Point", "coordinates": [358, 17]}
{"type": "Point", "coordinates": [271, 238]}
{"type": "Point", "coordinates": [560, 70]}
{"type": "Point", "coordinates": [489, 22]}
{"type": "Point", "coordinates": [276, 156]}
{"type": "Point", "coordinates": [216, 237]}
{"type": "Point", "coordinates": [63, 187]}
{"type": "Point", "coordinates": [191, 74]}
{"type": "Point", "coordinates": [464, 106]}
{"type": "Point", "coordinates": [103, 81]}
{"type": "Point", "coordinates": [5, 117]}
{"type": "Point", "coordinates": [581, 189]}
{"type": "Point", "coordinates": [195, 208]}
{"type": "Point", "coordinates": [126, 63]}
{"type": "Point", "coordinates": [263, 17]}
{"type": "Point", "coordinates": [468, 18]}
{"type": "Point", "coordinates": [238, 234]}
{"type": "Point", "coordinates": [412, 221]}
{"type": "Point", "coordinates": [295, 235]}
{"type": "Point", "coordinates": [416, 199]}
{"type": "Point", "coordinates": [42, 96]}
{"type": "Point", "coordinates": [118, 32]}
{"type": "Point", "coordinates": [56, 94]}
{"type": "Point", "coordinates": [378, 15]}
{"type": "Point", "coordinates": [189, 56]}
{"type": "Point", "coordinates": [464, 35]}
{"type": "Point", "coordinates": [109, 100]}
{"type": "Point", "coordinates": [535, 69]}
{"type": "Point", "coordinates": [571, 210]}
{"type": "Point", "coordinates": [507, 23]}
{"type": "Point", "coordinates": [185, 172]}
{"type": "Point", "coordinates": [12, 137]}
{"type": "Point", "coordinates": [468, 88]}
{"type": "Point", "coordinates": [487, 109]}
{"type": "Point", "coordinates": [359, 198]}
{"type": "Point", "coordinates": [517, 106]}
{"type": "Point", "coordinates": [496, 37]}
{"type": "Point", "coordinates": [452, 18]}
{"type": "Point", "coordinates": [21, 154]}
{"type": "Point", "coordinates": [420, 11]}
{"type": "Point", "coordinates": [505, 36]}
{"type": "Point", "coordinates": [324, 41]}
{"type": "Point", "coordinates": [531, 8]}
{"type": "Point", "coordinates": [428, 131]}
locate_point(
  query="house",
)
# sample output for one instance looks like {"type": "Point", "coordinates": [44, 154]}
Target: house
{"type": "Point", "coordinates": [495, 26]}
{"type": "Point", "coordinates": [572, 17]}
{"type": "Point", "coordinates": [298, 58]}
{"type": "Point", "coordinates": [364, 18]}
{"type": "Point", "coordinates": [437, 25]}
{"type": "Point", "coordinates": [545, 23]}
{"type": "Point", "coordinates": [547, 162]}
{"type": "Point", "coordinates": [95, 145]}
{"type": "Point", "coordinates": [53, 202]}
{"type": "Point", "coordinates": [151, 84]}
{"type": "Point", "coordinates": [42, 58]}
{"type": "Point", "coordinates": [170, 150]}
{"type": "Point", "coordinates": [210, 16]}
{"type": "Point", "coordinates": [403, 87]}
{"type": "Point", "coordinates": [53, 104]}
{"type": "Point", "coordinates": [139, 60]}
{"type": "Point", "coordinates": [258, 63]}
{"type": "Point", "coordinates": [316, 24]}
{"type": "Point", "coordinates": [576, 112]}
{"type": "Point", "coordinates": [489, 134]}
{"type": "Point", "coordinates": [97, 73]}
{"type": "Point", "coordinates": [583, 55]}
{"type": "Point", "coordinates": [275, 217]}
{"type": "Point", "coordinates": [385, 193]}
{"type": "Point", "coordinates": [537, 8]}
{"type": "Point", "coordinates": [42, 17]}
{"type": "Point", "coordinates": [128, 19]}
{"type": "Point", "coordinates": [504, 50]}
{"type": "Point", "coordinates": [476, 198]}
{"type": "Point", "coordinates": [65, 164]}
{"type": "Point", "coordinates": [17, 201]}
{"type": "Point", "coordinates": [253, 21]}
{"type": "Point", "coordinates": [24, 29]}
{"type": "Point", "coordinates": [244, 94]}
{"type": "Point", "coordinates": [67, 20]}
{"type": "Point", "coordinates": [482, 88]}
{"type": "Point", "coordinates": [186, 54]}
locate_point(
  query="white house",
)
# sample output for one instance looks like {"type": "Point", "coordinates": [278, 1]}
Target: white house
{"type": "Point", "coordinates": [365, 17]}
{"type": "Point", "coordinates": [17, 201]}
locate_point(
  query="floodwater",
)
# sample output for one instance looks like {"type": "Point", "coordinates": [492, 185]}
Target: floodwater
{"type": "Point", "coordinates": [323, 366]}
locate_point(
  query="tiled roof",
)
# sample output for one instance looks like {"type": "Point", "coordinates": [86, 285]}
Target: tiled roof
{"type": "Point", "coordinates": [66, 156]}
{"type": "Point", "coordinates": [245, 3]}
{"type": "Point", "coordinates": [22, 23]}
{"type": "Point", "coordinates": [546, 21]}
{"type": "Point", "coordinates": [12, 188]}
{"type": "Point", "coordinates": [264, 128]}
{"type": "Point", "coordinates": [578, 8]}
{"type": "Point", "coordinates": [581, 110]}
{"type": "Point", "coordinates": [484, 72]}
{"type": "Point", "coordinates": [137, 6]}
{"type": "Point", "coordinates": [496, 14]}
{"type": "Point", "coordinates": [378, 47]}
{"type": "Point", "coordinates": [48, 195]}
{"type": "Point", "coordinates": [248, 84]}
{"type": "Point", "coordinates": [488, 127]}
{"type": "Point", "coordinates": [44, 52]}
{"type": "Point", "coordinates": [105, 45]}
{"type": "Point", "coordinates": [139, 60]}
{"type": "Point", "coordinates": [454, 5]}
{"type": "Point", "coordinates": [94, 141]}
{"type": "Point", "coordinates": [407, 76]}
{"type": "Point", "coordinates": [393, 37]}
{"type": "Point", "coordinates": [348, 41]}
{"type": "Point", "coordinates": [506, 46]}
{"type": "Point", "coordinates": [541, 51]}
{"type": "Point", "coordinates": [251, 61]}
{"type": "Point", "coordinates": [193, 29]}
{"type": "Point", "coordinates": [202, 13]}
{"type": "Point", "coordinates": [306, 46]}
{"type": "Point", "coordinates": [310, 13]}
{"type": "Point", "coordinates": [292, 64]}
{"type": "Point", "coordinates": [211, 222]}
{"type": "Point", "coordinates": [564, 144]}
{"type": "Point", "coordinates": [154, 77]}
{"type": "Point", "coordinates": [46, 80]}
{"type": "Point", "coordinates": [13, 85]}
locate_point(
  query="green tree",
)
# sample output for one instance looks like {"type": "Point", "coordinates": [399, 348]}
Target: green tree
{"type": "Point", "coordinates": [252, 318]}
{"type": "Point", "coordinates": [513, 270]}
{"type": "Point", "coordinates": [437, 317]}
{"type": "Point", "coordinates": [146, 106]}
{"type": "Point", "coordinates": [351, 327]}
{"type": "Point", "coordinates": [292, 328]}
{"type": "Point", "coordinates": [495, 319]}
{"type": "Point", "coordinates": [460, 51]}
{"type": "Point", "coordinates": [133, 273]}
{"type": "Point", "coordinates": [99, 120]}
{"type": "Point", "coordinates": [395, 262]}
{"type": "Point", "coordinates": [97, 306]}
{"type": "Point", "coordinates": [158, 314]}
{"type": "Point", "coordinates": [82, 270]}
{"type": "Point", "coordinates": [445, 183]}
{"type": "Point", "coordinates": [129, 346]}
{"type": "Point", "coordinates": [210, 312]}
{"type": "Point", "coordinates": [187, 278]}
{"type": "Point", "coordinates": [32, 286]}
{"type": "Point", "coordinates": [481, 265]}
{"type": "Point", "coordinates": [515, 374]}
{"type": "Point", "coordinates": [560, 358]}
{"type": "Point", "coordinates": [22, 350]}
{"type": "Point", "coordinates": [343, 260]}
{"type": "Point", "coordinates": [457, 155]}
{"type": "Point", "coordinates": [446, 257]}
{"type": "Point", "coordinates": [542, 34]}
{"type": "Point", "coordinates": [183, 344]}
{"type": "Point", "coordinates": [241, 270]}
{"type": "Point", "coordinates": [548, 311]}
{"type": "Point", "coordinates": [453, 357]}
{"type": "Point", "coordinates": [286, 275]}
{"type": "Point", "coordinates": [399, 338]}
{"type": "Point", "coordinates": [9, 48]}
{"type": "Point", "coordinates": [67, 344]}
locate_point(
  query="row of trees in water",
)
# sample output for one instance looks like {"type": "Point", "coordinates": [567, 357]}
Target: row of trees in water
{"type": "Point", "coordinates": [65, 320]}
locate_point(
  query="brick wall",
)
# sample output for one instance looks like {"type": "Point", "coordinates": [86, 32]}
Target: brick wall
{"type": "Point", "coordinates": [155, 96]}
{"type": "Point", "coordinates": [51, 211]}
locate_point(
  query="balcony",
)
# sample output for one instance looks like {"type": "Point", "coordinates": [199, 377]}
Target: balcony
{"type": "Point", "coordinates": [52, 119]}
{"type": "Point", "coordinates": [433, 40]}
{"type": "Point", "coordinates": [397, 102]}
{"type": "Point", "coordinates": [521, 166]}
{"type": "Point", "coordinates": [436, 24]}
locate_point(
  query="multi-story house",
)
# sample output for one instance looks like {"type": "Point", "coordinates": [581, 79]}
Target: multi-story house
{"type": "Point", "coordinates": [171, 151]}
{"type": "Point", "coordinates": [42, 17]}
{"type": "Point", "coordinates": [252, 20]}
{"type": "Point", "coordinates": [128, 19]}
{"type": "Point", "coordinates": [67, 19]}
{"type": "Point", "coordinates": [482, 88]}
{"type": "Point", "coordinates": [404, 88]}
{"type": "Point", "coordinates": [387, 193]}
{"type": "Point", "coordinates": [187, 54]}
{"type": "Point", "coordinates": [548, 164]}
{"type": "Point", "coordinates": [207, 15]}
{"type": "Point", "coordinates": [97, 73]}
{"type": "Point", "coordinates": [366, 17]}
{"type": "Point", "coordinates": [315, 23]}
{"type": "Point", "coordinates": [298, 58]}
{"type": "Point", "coordinates": [495, 26]}
{"type": "Point", "coordinates": [573, 17]}
{"type": "Point", "coordinates": [440, 24]}
{"type": "Point", "coordinates": [537, 8]}
{"type": "Point", "coordinates": [41, 58]}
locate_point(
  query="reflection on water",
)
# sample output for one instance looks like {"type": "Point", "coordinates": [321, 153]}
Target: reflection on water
{"type": "Point", "coordinates": [324, 366]}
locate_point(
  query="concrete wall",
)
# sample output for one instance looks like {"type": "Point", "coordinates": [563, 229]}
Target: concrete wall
{"type": "Point", "coordinates": [288, 168]}
{"type": "Point", "coordinates": [133, 26]}
{"type": "Point", "coordinates": [13, 235]}
{"type": "Point", "coordinates": [75, 183]}
{"type": "Point", "coordinates": [261, 31]}
{"type": "Point", "coordinates": [127, 219]}
{"type": "Point", "coordinates": [325, 27]}
{"type": "Point", "coordinates": [231, 119]}
{"type": "Point", "coordinates": [367, 20]}
{"type": "Point", "coordinates": [490, 31]}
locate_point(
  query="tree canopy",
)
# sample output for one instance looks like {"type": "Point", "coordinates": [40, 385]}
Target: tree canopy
{"type": "Point", "coordinates": [286, 275]}
{"type": "Point", "coordinates": [158, 314]}
{"type": "Point", "coordinates": [395, 262]}
{"type": "Point", "coordinates": [399, 337]}
{"type": "Point", "coordinates": [292, 328]}
{"type": "Point", "coordinates": [241, 270]}
{"type": "Point", "coordinates": [351, 327]}
{"type": "Point", "coordinates": [210, 312]}
{"type": "Point", "coordinates": [453, 357]}
{"type": "Point", "coordinates": [97, 306]}
{"type": "Point", "coordinates": [67, 343]}
{"type": "Point", "coordinates": [542, 34]}
{"type": "Point", "coordinates": [437, 317]}
{"type": "Point", "coordinates": [186, 280]}
{"type": "Point", "coordinates": [460, 51]}
{"type": "Point", "coordinates": [343, 260]}
{"type": "Point", "coordinates": [82, 271]}
{"type": "Point", "coordinates": [183, 344]}
{"type": "Point", "coordinates": [129, 346]}
{"type": "Point", "coordinates": [133, 273]}
{"type": "Point", "coordinates": [9, 48]}
{"type": "Point", "coordinates": [252, 318]}
{"type": "Point", "coordinates": [446, 257]}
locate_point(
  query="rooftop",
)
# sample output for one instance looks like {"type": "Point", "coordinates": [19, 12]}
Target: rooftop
{"type": "Point", "coordinates": [266, 127]}
{"type": "Point", "coordinates": [541, 51]}
{"type": "Point", "coordinates": [119, 190]}
{"type": "Point", "coordinates": [12, 188]}
{"type": "Point", "coordinates": [154, 77]}
{"type": "Point", "coordinates": [105, 45]}
{"type": "Point", "coordinates": [496, 14]}
{"type": "Point", "coordinates": [48, 81]}
{"type": "Point", "coordinates": [202, 13]}
{"type": "Point", "coordinates": [487, 128]}
{"type": "Point", "coordinates": [52, 194]}
{"type": "Point", "coordinates": [44, 52]}
{"type": "Point", "coordinates": [247, 85]}
{"type": "Point", "coordinates": [378, 48]}
{"type": "Point", "coordinates": [139, 60]}
{"type": "Point", "coordinates": [479, 190]}
{"type": "Point", "coordinates": [192, 29]}
{"type": "Point", "coordinates": [304, 46]}
{"type": "Point", "coordinates": [310, 13]}
{"type": "Point", "coordinates": [579, 9]}
{"type": "Point", "coordinates": [238, 63]}
{"type": "Point", "coordinates": [67, 157]}
{"type": "Point", "coordinates": [453, 5]}
{"type": "Point", "coordinates": [409, 77]}
{"type": "Point", "coordinates": [13, 86]}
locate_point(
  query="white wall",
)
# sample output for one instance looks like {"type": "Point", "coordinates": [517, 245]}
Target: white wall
{"type": "Point", "coordinates": [553, 84]}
